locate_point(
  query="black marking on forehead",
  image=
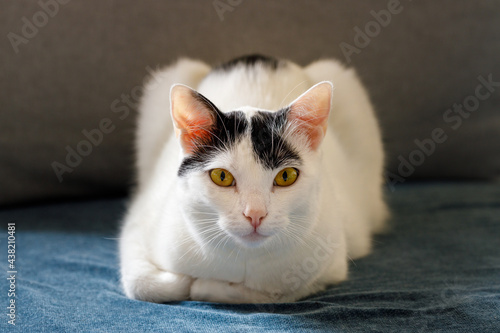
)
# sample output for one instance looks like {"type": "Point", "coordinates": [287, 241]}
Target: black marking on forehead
{"type": "Point", "coordinates": [270, 149]}
{"type": "Point", "coordinates": [227, 130]}
{"type": "Point", "coordinates": [251, 61]}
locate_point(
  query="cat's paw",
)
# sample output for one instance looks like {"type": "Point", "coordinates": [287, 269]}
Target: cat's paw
{"type": "Point", "coordinates": [227, 292]}
{"type": "Point", "coordinates": [157, 286]}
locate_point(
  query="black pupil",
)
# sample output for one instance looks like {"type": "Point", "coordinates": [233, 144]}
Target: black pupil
{"type": "Point", "coordinates": [285, 176]}
{"type": "Point", "coordinates": [222, 176]}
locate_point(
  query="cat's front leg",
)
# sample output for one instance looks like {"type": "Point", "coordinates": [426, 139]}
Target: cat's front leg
{"type": "Point", "coordinates": [228, 292]}
{"type": "Point", "coordinates": [148, 283]}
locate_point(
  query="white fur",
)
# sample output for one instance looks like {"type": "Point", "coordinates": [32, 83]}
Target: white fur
{"type": "Point", "coordinates": [182, 237]}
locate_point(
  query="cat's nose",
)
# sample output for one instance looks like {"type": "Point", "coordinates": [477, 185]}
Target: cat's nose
{"type": "Point", "coordinates": [255, 216]}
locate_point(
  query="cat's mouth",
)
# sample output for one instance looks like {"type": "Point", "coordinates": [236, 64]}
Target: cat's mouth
{"type": "Point", "coordinates": [254, 237]}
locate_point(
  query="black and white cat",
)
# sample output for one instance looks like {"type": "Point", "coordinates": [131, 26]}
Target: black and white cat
{"type": "Point", "coordinates": [243, 194]}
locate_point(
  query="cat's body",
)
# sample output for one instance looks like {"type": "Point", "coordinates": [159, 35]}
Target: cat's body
{"type": "Point", "coordinates": [252, 241]}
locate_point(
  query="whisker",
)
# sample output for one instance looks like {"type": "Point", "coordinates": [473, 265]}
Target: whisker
{"type": "Point", "coordinates": [291, 91]}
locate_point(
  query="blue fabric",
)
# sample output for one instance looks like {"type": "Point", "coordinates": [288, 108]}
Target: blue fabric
{"type": "Point", "coordinates": [438, 269]}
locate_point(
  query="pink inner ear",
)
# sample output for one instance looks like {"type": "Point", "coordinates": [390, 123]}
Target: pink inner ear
{"type": "Point", "coordinates": [309, 113]}
{"type": "Point", "coordinates": [191, 117]}
{"type": "Point", "coordinates": [197, 130]}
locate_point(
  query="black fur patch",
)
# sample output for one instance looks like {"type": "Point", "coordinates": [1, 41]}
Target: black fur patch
{"type": "Point", "coordinates": [250, 61]}
{"type": "Point", "coordinates": [228, 128]}
{"type": "Point", "coordinates": [269, 146]}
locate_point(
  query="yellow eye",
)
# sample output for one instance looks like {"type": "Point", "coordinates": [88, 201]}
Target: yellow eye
{"type": "Point", "coordinates": [221, 177]}
{"type": "Point", "coordinates": [286, 177]}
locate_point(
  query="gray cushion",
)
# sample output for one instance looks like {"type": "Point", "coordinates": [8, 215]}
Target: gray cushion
{"type": "Point", "coordinates": [86, 57]}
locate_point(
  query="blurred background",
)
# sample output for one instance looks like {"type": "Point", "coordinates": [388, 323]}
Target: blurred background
{"type": "Point", "coordinates": [72, 73]}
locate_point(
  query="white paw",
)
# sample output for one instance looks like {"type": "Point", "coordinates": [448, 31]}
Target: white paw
{"type": "Point", "coordinates": [226, 292]}
{"type": "Point", "coordinates": [157, 286]}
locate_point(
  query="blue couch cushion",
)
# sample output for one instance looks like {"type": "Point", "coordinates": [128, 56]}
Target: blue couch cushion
{"type": "Point", "coordinates": [437, 269]}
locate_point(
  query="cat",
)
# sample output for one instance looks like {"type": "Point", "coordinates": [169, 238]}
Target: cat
{"type": "Point", "coordinates": [258, 180]}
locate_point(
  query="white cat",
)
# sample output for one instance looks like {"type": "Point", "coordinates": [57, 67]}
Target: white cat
{"type": "Point", "coordinates": [252, 199]}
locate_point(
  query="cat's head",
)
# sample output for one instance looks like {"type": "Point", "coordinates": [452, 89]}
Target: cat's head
{"type": "Point", "coordinates": [250, 175]}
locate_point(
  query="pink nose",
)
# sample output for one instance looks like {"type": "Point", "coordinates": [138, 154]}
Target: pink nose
{"type": "Point", "coordinates": [255, 216]}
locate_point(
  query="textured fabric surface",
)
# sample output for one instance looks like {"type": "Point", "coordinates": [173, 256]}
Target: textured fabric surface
{"type": "Point", "coordinates": [437, 270]}
{"type": "Point", "coordinates": [74, 65]}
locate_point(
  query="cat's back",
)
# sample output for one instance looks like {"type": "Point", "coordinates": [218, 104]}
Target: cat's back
{"type": "Point", "coordinates": [258, 81]}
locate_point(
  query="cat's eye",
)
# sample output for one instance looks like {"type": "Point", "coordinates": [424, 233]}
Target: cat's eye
{"type": "Point", "coordinates": [286, 177]}
{"type": "Point", "coordinates": [222, 177]}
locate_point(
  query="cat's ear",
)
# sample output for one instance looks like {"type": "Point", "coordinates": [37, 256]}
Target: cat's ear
{"type": "Point", "coordinates": [193, 116]}
{"type": "Point", "coordinates": [308, 114]}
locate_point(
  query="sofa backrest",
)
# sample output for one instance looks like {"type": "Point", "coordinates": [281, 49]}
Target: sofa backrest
{"type": "Point", "coordinates": [73, 70]}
